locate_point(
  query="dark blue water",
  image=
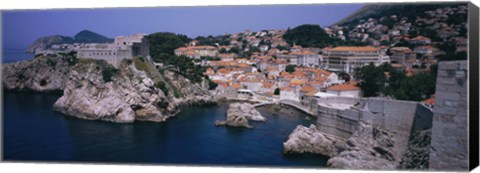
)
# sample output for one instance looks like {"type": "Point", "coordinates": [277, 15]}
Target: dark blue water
{"type": "Point", "coordinates": [13, 55]}
{"type": "Point", "coordinates": [33, 132]}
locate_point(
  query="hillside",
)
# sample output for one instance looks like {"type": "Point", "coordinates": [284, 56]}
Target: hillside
{"type": "Point", "coordinates": [411, 11]}
{"type": "Point", "coordinates": [84, 36]}
{"type": "Point", "coordinates": [87, 36]}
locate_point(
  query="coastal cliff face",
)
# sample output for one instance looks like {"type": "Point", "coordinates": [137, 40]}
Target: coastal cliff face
{"type": "Point", "coordinates": [42, 74]}
{"type": "Point", "coordinates": [310, 140]}
{"type": "Point", "coordinates": [127, 96]}
{"type": "Point", "coordinates": [188, 93]}
{"type": "Point", "coordinates": [368, 148]}
{"type": "Point", "coordinates": [95, 90]}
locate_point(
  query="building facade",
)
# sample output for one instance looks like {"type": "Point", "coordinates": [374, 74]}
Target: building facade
{"type": "Point", "coordinates": [347, 58]}
{"type": "Point", "coordinates": [197, 51]}
{"type": "Point", "coordinates": [123, 47]}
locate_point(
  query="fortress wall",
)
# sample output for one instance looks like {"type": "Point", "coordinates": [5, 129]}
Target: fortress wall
{"type": "Point", "coordinates": [449, 145]}
{"type": "Point", "coordinates": [398, 118]}
{"type": "Point", "coordinates": [341, 123]}
{"type": "Point", "coordinates": [343, 100]}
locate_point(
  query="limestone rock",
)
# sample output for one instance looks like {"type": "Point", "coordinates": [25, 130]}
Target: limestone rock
{"type": "Point", "coordinates": [239, 114]}
{"type": "Point", "coordinates": [245, 109]}
{"type": "Point", "coordinates": [309, 140]}
{"type": "Point", "coordinates": [368, 148]}
{"type": "Point", "coordinates": [187, 93]}
{"type": "Point", "coordinates": [126, 98]}
{"type": "Point", "coordinates": [93, 89]}
{"type": "Point", "coordinates": [42, 74]}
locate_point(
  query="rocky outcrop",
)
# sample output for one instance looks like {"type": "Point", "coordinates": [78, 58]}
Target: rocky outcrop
{"type": "Point", "coordinates": [95, 90]}
{"type": "Point", "coordinates": [42, 74]}
{"type": "Point", "coordinates": [310, 140]}
{"type": "Point", "coordinates": [239, 114]}
{"type": "Point", "coordinates": [418, 152]}
{"type": "Point", "coordinates": [186, 92]}
{"type": "Point", "coordinates": [128, 96]}
{"type": "Point", "coordinates": [368, 148]}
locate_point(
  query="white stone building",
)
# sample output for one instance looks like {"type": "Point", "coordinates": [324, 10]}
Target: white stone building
{"type": "Point", "coordinates": [287, 93]}
{"type": "Point", "coordinates": [123, 47]}
{"type": "Point", "coordinates": [345, 90]}
{"type": "Point", "coordinates": [347, 58]}
{"type": "Point", "coordinates": [307, 58]}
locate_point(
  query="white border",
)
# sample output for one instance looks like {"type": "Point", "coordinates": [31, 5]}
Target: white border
{"type": "Point", "coordinates": [62, 4]}
{"type": "Point", "coordinates": [55, 4]}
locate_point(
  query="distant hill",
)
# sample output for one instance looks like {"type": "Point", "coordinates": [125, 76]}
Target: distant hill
{"type": "Point", "coordinates": [84, 36]}
{"type": "Point", "coordinates": [410, 10]}
{"type": "Point", "coordinates": [87, 36]}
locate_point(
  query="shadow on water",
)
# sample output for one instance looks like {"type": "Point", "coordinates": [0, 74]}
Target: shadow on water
{"type": "Point", "coordinates": [33, 132]}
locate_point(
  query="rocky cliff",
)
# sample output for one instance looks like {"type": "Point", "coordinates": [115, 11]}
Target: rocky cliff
{"type": "Point", "coordinates": [368, 148]}
{"type": "Point", "coordinates": [186, 93]}
{"type": "Point", "coordinates": [95, 90]}
{"type": "Point", "coordinates": [310, 140]}
{"type": "Point", "coordinates": [42, 74]}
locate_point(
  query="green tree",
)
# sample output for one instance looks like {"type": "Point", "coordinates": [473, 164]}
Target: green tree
{"type": "Point", "coordinates": [222, 50]}
{"type": "Point", "coordinates": [254, 49]}
{"type": "Point", "coordinates": [375, 82]}
{"type": "Point", "coordinates": [234, 50]}
{"type": "Point", "coordinates": [211, 85]}
{"type": "Point", "coordinates": [308, 35]}
{"type": "Point", "coordinates": [344, 76]}
{"type": "Point", "coordinates": [372, 80]}
{"type": "Point", "coordinates": [277, 91]}
{"type": "Point", "coordinates": [282, 47]}
{"type": "Point", "coordinates": [290, 68]}
{"type": "Point", "coordinates": [162, 43]}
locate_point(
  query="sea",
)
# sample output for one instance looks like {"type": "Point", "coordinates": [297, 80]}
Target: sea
{"type": "Point", "coordinates": [33, 132]}
{"type": "Point", "coordinates": [13, 55]}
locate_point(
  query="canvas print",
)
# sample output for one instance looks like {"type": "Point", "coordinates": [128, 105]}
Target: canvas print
{"type": "Point", "coordinates": [346, 86]}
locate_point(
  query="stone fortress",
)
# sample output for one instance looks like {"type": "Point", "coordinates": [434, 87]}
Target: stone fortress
{"type": "Point", "coordinates": [340, 117]}
{"type": "Point", "coordinates": [123, 47]}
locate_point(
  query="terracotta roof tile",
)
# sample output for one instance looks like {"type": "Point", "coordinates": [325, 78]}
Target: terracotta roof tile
{"type": "Point", "coordinates": [344, 87]}
{"type": "Point", "coordinates": [308, 89]}
{"type": "Point", "coordinates": [355, 48]}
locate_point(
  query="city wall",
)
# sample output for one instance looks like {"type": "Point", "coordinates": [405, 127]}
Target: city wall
{"type": "Point", "coordinates": [449, 143]}
{"type": "Point", "coordinates": [399, 117]}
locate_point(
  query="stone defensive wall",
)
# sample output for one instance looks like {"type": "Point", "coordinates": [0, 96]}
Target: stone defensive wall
{"type": "Point", "coordinates": [449, 145]}
{"type": "Point", "coordinates": [336, 117]}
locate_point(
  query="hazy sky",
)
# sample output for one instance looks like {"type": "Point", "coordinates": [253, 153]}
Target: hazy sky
{"type": "Point", "coordinates": [22, 27]}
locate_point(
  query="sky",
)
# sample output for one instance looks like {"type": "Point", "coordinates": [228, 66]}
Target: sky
{"type": "Point", "coordinates": [21, 27]}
